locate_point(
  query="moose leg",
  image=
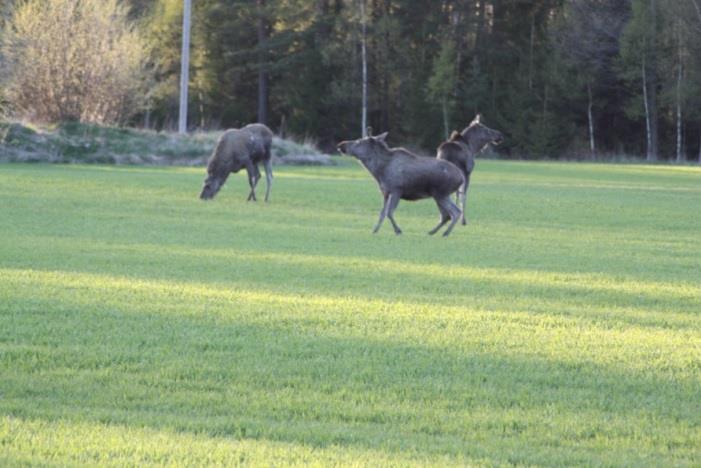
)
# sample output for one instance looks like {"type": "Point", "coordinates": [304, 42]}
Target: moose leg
{"type": "Point", "coordinates": [464, 196]}
{"type": "Point", "coordinates": [453, 211]}
{"type": "Point", "coordinates": [383, 213]}
{"type": "Point", "coordinates": [268, 166]}
{"type": "Point", "coordinates": [253, 176]}
{"type": "Point", "coordinates": [256, 175]}
{"type": "Point", "coordinates": [391, 206]}
{"type": "Point", "coordinates": [459, 195]}
{"type": "Point", "coordinates": [444, 218]}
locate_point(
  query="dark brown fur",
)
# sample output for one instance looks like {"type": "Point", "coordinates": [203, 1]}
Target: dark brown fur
{"type": "Point", "coordinates": [461, 149]}
{"type": "Point", "coordinates": [237, 149]}
{"type": "Point", "coordinates": [406, 176]}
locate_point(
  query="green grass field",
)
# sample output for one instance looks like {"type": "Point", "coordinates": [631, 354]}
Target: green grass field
{"type": "Point", "coordinates": [139, 325]}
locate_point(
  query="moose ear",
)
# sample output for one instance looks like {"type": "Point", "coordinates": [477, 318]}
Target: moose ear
{"type": "Point", "coordinates": [477, 119]}
{"type": "Point", "coordinates": [382, 137]}
{"type": "Point", "coordinates": [455, 136]}
{"type": "Point", "coordinates": [369, 131]}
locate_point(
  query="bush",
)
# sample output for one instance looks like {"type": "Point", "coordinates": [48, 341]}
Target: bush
{"type": "Point", "coordinates": [72, 60]}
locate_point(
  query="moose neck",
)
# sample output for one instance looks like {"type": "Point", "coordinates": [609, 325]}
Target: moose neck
{"type": "Point", "coordinates": [474, 139]}
{"type": "Point", "coordinates": [376, 164]}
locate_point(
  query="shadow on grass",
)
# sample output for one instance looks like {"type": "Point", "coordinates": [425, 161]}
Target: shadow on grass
{"type": "Point", "coordinates": [288, 383]}
{"type": "Point", "coordinates": [594, 298]}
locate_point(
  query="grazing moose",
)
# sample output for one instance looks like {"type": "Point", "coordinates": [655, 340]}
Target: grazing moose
{"type": "Point", "coordinates": [237, 149]}
{"type": "Point", "coordinates": [461, 148]}
{"type": "Point", "coordinates": [403, 175]}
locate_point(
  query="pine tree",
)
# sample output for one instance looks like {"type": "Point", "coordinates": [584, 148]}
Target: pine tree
{"type": "Point", "coordinates": [443, 81]}
{"type": "Point", "coordinates": [587, 38]}
{"type": "Point", "coordinates": [640, 47]}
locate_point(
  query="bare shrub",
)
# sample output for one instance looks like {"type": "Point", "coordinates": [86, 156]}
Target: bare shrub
{"type": "Point", "coordinates": [72, 60]}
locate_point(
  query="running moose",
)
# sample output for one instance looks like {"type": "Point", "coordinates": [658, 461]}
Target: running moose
{"type": "Point", "coordinates": [461, 148]}
{"type": "Point", "coordinates": [402, 175]}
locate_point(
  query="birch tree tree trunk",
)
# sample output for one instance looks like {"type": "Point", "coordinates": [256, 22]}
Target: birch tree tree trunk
{"type": "Point", "coordinates": [648, 129]}
{"type": "Point", "coordinates": [651, 77]}
{"type": "Point", "coordinates": [697, 7]}
{"type": "Point", "coordinates": [680, 155]}
{"type": "Point", "coordinates": [592, 143]}
{"type": "Point", "coordinates": [530, 53]}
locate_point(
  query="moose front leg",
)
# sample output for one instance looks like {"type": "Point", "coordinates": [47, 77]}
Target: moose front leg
{"type": "Point", "coordinates": [253, 176]}
{"type": "Point", "coordinates": [392, 203]}
{"type": "Point", "coordinates": [383, 213]}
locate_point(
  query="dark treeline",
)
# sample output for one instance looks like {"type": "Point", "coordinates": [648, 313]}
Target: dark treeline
{"type": "Point", "coordinates": [572, 78]}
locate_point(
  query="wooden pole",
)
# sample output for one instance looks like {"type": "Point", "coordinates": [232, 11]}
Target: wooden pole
{"type": "Point", "coordinates": [184, 67]}
{"type": "Point", "coordinates": [364, 116]}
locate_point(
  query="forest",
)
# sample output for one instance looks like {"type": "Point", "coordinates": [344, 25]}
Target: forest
{"type": "Point", "coordinates": [575, 79]}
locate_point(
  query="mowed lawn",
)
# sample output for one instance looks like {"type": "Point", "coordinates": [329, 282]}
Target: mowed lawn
{"type": "Point", "coordinates": [140, 325]}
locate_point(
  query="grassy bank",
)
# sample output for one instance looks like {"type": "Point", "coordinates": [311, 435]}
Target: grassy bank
{"type": "Point", "coordinates": [139, 325]}
{"type": "Point", "coordinates": [83, 143]}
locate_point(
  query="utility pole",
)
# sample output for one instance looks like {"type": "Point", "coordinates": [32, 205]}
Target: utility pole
{"type": "Point", "coordinates": [262, 63]}
{"type": "Point", "coordinates": [184, 67]}
{"type": "Point", "coordinates": [364, 118]}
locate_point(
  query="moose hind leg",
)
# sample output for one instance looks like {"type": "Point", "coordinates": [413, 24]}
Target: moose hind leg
{"type": "Point", "coordinates": [453, 211]}
{"type": "Point", "coordinates": [268, 167]}
{"type": "Point", "coordinates": [444, 218]}
{"type": "Point", "coordinates": [465, 186]}
{"type": "Point", "coordinates": [253, 176]}
{"type": "Point", "coordinates": [391, 206]}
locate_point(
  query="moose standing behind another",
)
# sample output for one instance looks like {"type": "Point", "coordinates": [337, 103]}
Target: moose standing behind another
{"type": "Point", "coordinates": [403, 175]}
{"type": "Point", "coordinates": [237, 149]}
{"type": "Point", "coordinates": [461, 148]}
